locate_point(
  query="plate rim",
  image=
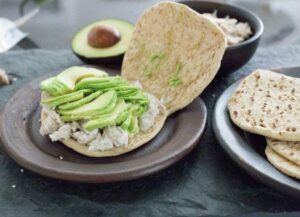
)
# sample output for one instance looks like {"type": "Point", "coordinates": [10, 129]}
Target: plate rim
{"type": "Point", "coordinates": [263, 177]}
{"type": "Point", "coordinates": [123, 175]}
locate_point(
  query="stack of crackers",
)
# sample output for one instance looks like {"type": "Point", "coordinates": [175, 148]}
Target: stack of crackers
{"type": "Point", "coordinates": [268, 103]}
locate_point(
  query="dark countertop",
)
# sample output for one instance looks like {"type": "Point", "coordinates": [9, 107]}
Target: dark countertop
{"type": "Point", "coordinates": [206, 182]}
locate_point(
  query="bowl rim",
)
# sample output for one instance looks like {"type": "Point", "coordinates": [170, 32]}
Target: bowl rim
{"type": "Point", "coordinates": [257, 34]}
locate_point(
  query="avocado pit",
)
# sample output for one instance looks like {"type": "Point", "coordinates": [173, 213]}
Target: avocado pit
{"type": "Point", "coordinates": [103, 36]}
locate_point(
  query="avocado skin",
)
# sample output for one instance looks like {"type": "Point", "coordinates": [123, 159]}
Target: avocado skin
{"type": "Point", "coordinates": [117, 60]}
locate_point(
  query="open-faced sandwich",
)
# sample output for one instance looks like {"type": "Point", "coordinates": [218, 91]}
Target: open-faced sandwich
{"type": "Point", "coordinates": [174, 53]}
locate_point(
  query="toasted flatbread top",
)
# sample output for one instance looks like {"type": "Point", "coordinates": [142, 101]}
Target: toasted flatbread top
{"type": "Point", "coordinates": [267, 103]}
{"type": "Point", "coordinates": [287, 167]}
{"type": "Point", "coordinates": [288, 150]}
{"type": "Point", "coordinates": [175, 53]}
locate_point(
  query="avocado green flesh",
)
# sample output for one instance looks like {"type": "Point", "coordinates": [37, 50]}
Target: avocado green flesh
{"type": "Point", "coordinates": [134, 126]}
{"type": "Point", "coordinates": [99, 83]}
{"type": "Point", "coordinates": [96, 105]}
{"type": "Point", "coordinates": [84, 94]}
{"type": "Point", "coordinates": [131, 124]}
{"type": "Point", "coordinates": [126, 123]}
{"type": "Point", "coordinates": [56, 101]}
{"type": "Point", "coordinates": [54, 87]}
{"type": "Point", "coordinates": [80, 102]}
{"type": "Point", "coordinates": [120, 87]}
{"type": "Point", "coordinates": [81, 47]}
{"type": "Point", "coordinates": [105, 86]}
{"type": "Point", "coordinates": [66, 96]}
{"type": "Point", "coordinates": [127, 93]}
{"type": "Point", "coordinates": [138, 110]}
{"type": "Point", "coordinates": [65, 82]}
{"type": "Point", "coordinates": [138, 97]}
{"type": "Point", "coordinates": [91, 114]}
{"type": "Point", "coordinates": [123, 89]}
{"type": "Point", "coordinates": [122, 117]}
{"type": "Point", "coordinates": [109, 120]}
{"type": "Point", "coordinates": [70, 76]}
{"type": "Point", "coordinates": [72, 98]}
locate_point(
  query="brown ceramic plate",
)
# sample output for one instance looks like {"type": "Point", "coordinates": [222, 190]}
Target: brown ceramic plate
{"type": "Point", "coordinates": [247, 149]}
{"type": "Point", "coordinates": [20, 135]}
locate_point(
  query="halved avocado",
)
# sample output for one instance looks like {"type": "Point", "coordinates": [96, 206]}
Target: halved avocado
{"type": "Point", "coordinates": [104, 41]}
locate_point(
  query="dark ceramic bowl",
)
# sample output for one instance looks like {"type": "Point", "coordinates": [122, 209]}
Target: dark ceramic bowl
{"type": "Point", "coordinates": [235, 55]}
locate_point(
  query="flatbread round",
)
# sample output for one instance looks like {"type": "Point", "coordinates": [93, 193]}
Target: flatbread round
{"type": "Point", "coordinates": [134, 142]}
{"type": "Point", "coordinates": [288, 150]}
{"type": "Point", "coordinates": [172, 41]}
{"type": "Point", "coordinates": [267, 103]}
{"type": "Point", "coordinates": [282, 164]}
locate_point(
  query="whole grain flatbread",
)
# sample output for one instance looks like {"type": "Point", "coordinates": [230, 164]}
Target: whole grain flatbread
{"type": "Point", "coordinates": [171, 40]}
{"type": "Point", "coordinates": [134, 142]}
{"type": "Point", "coordinates": [267, 103]}
{"type": "Point", "coordinates": [288, 150]}
{"type": "Point", "coordinates": [287, 167]}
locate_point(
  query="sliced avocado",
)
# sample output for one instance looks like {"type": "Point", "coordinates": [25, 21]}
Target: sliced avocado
{"type": "Point", "coordinates": [138, 110]}
{"type": "Point", "coordinates": [54, 87]}
{"type": "Point", "coordinates": [126, 89]}
{"type": "Point", "coordinates": [65, 82]}
{"type": "Point", "coordinates": [127, 93]}
{"type": "Point", "coordinates": [107, 120]}
{"type": "Point", "coordinates": [126, 123]}
{"type": "Point", "coordinates": [103, 84]}
{"type": "Point", "coordinates": [91, 115]}
{"type": "Point", "coordinates": [72, 75]}
{"type": "Point", "coordinates": [69, 118]}
{"type": "Point", "coordinates": [81, 102]}
{"type": "Point", "coordinates": [113, 34]}
{"type": "Point", "coordinates": [137, 96]}
{"type": "Point", "coordinates": [123, 116]}
{"type": "Point", "coordinates": [96, 105]}
{"type": "Point", "coordinates": [142, 110]}
{"type": "Point", "coordinates": [56, 101]}
{"type": "Point", "coordinates": [134, 126]}
{"type": "Point", "coordinates": [130, 124]}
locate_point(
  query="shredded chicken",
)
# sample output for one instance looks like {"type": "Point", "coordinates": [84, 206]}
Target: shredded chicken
{"type": "Point", "coordinates": [235, 31]}
{"type": "Point", "coordinates": [100, 143]}
{"type": "Point", "coordinates": [84, 137]}
{"type": "Point", "coordinates": [147, 119]}
{"type": "Point", "coordinates": [51, 123]}
{"type": "Point", "coordinates": [118, 136]}
{"type": "Point", "coordinates": [62, 133]}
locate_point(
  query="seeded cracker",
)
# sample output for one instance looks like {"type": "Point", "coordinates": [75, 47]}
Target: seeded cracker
{"type": "Point", "coordinates": [268, 104]}
{"type": "Point", "coordinates": [282, 164]}
{"type": "Point", "coordinates": [288, 150]}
